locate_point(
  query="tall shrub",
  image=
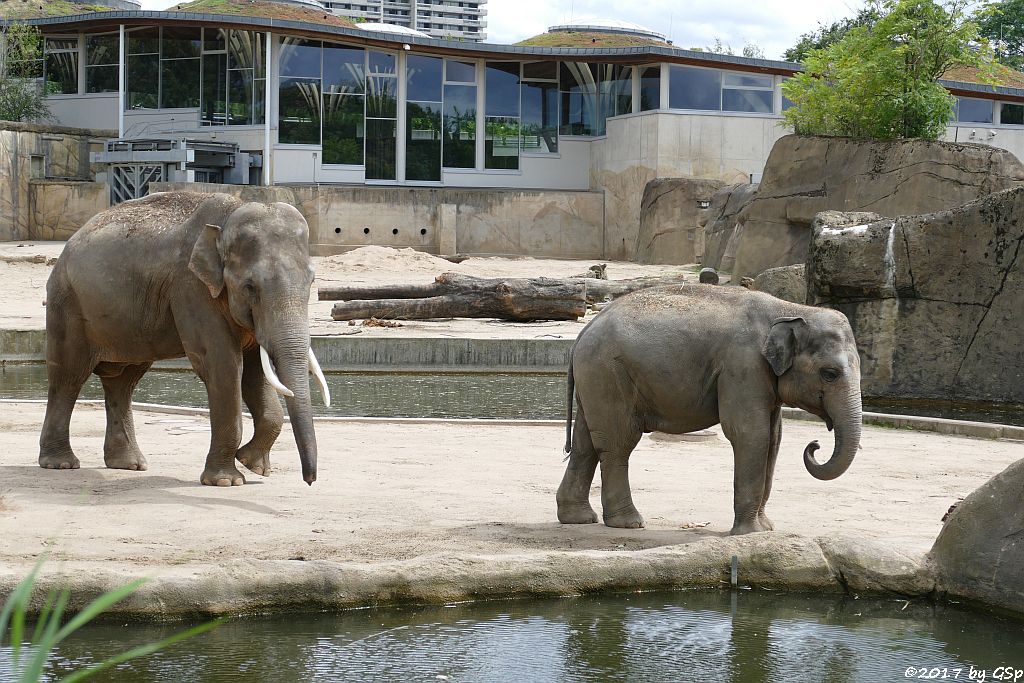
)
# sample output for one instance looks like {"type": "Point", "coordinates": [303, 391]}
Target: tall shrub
{"type": "Point", "coordinates": [21, 72]}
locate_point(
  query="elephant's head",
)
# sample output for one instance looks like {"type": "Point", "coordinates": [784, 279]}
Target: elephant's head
{"type": "Point", "coordinates": [818, 369]}
{"type": "Point", "coordinates": [257, 266]}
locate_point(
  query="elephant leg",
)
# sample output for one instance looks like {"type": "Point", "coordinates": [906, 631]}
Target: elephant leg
{"type": "Point", "coordinates": [573, 497]}
{"type": "Point", "coordinates": [120, 449]}
{"type": "Point", "coordinates": [751, 443]}
{"type": "Point", "coordinates": [773, 454]}
{"type": "Point", "coordinates": [267, 414]}
{"type": "Point", "coordinates": [613, 449]}
{"type": "Point", "coordinates": [69, 362]}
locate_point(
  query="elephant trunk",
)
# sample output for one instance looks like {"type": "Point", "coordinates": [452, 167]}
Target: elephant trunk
{"type": "Point", "coordinates": [290, 357]}
{"type": "Point", "coordinates": [845, 413]}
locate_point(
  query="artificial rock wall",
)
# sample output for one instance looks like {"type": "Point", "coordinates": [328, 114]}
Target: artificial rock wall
{"type": "Point", "coordinates": [670, 213]}
{"type": "Point", "coordinates": [935, 300]}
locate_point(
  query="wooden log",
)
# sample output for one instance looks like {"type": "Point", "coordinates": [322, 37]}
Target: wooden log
{"type": "Point", "coordinates": [447, 284]}
{"type": "Point", "coordinates": [520, 300]}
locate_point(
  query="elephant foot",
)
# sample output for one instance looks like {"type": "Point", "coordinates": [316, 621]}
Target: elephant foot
{"type": "Point", "coordinates": [751, 526]}
{"type": "Point", "coordinates": [256, 460]}
{"type": "Point", "coordinates": [222, 476]}
{"type": "Point", "coordinates": [766, 524]}
{"type": "Point", "coordinates": [58, 459]}
{"type": "Point", "coordinates": [576, 513]}
{"type": "Point", "coordinates": [130, 458]}
{"type": "Point", "coordinates": [627, 518]}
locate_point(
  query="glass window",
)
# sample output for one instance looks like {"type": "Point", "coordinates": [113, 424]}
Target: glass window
{"type": "Point", "coordinates": [501, 135]}
{"type": "Point", "coordinates": [343, 129]}
{"type": "Point", "coordinates": [300, 58]}
{"type": "Point", "coordinates": [973, 110]}
{"type": "Point", "coordinates": [382, 63]}
{"type": "Point", "coordinates": [459, 126]}
{"type": "Point", "coordinates": [733, 79]}
{"type": "Point", "coordinates": [299, 111]}
{"type": "Point", "coordinates": [344, 69]}
{"type": "Point", "coordinates": [381, 97]}
{"type": "Point", "coordinates": [1011, 114]}
{"type": "Point", "coordinates": [423, 140]}
{"type": "Point", "coordinates": [502, 89]}
{"type": "Point", "coordinates": [101, 57]}
{"type": "Point", "coordinates": [380, 149]}
{"type": "Point", "coordinates": [540, 117]}
{"type": "Point", "coordinates": [692, 88]}
{"type": "Point", "coordinates": [61, 65]}
{"type": "Point", "coordinates": [179, 83]}
{"type": "Point", "coordinates": [240, 96]}
{"type": "Point", "coordinates": [616, 87]}
{"type": "Point", "coordinates": [182, 42]}
{"type": "Point", "coordinates": [423, 76]}
{"type": "Point", "coordinates": [541, 70]}
{"type": "Point", "coordinates": [650, 88]}
{"type": "Point", "coordinates": [755, 101]}
{"type": "Point", "coordinates": [460, 72]}
{"type": "Point", "coordinates": [501, 142]}
{"type": "Point", "coordinates": [143, 81]}
{"type": "Point", "coordinates": [144, 41]}
{"type": "Point", "coordinates": [215, 92]}
{"type": "Point", "coordinates": [215, 39]}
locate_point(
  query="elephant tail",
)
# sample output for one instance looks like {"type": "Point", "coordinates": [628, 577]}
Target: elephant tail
{"type": "Point", "coordinates": [570, 392]}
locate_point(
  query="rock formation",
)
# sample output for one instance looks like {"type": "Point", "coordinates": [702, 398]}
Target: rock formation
{"type": "Point", "coordinates": [721, 230]}
{"type": "Point", "coordinates": [670, 230]}
{"type": "Point", "coordinates": [787, 283]}
{"type": "Point", "coordinates": [979, 554]}
{"type": "Point", "coordinates": [935, 300]}
{"type": "Point", "coordinates": [806, 174]}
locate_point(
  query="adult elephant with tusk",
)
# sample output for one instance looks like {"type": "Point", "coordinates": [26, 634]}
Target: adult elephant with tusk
{"type": "Point", "coordinates": [680, 359]}
{"type": "Point", "coordinates": [225, 283]}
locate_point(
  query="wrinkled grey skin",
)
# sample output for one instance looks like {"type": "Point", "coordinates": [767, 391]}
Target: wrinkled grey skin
{"type": "Point", "coordinates": [183, 274]}
{"type": "Point", "coordinates": [680, 359]}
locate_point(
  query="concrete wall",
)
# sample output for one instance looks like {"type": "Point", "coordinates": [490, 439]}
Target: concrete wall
{"type": "Point", "coordinates": [642, 147]}
{"type": "Point", "coordinates": [59, 152]}
{"type": "Point", "coordinates": [560, 224]}
{"type": "Point", "coordinates": [97, 110]}
{"type": "Point", "coordinates": [57, 208]}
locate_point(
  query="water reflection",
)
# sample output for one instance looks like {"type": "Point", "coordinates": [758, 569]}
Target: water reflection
{"type": "Point", "coordinates": [482, 395]}
{"type": "Point", "coordinates": [693, 636]}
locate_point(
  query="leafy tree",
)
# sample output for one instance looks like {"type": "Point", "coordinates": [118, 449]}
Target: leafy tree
{"type": "Point", "coordinates": [719, 48]}
{"type": "Point", "coordinates": [881, 81]}
{"type": "Point", "coordinates": [21, 70]}
{"type": "Point", "coordinates": [824, 36]}
{"type": "Point", "coordinates": [1002, 23]}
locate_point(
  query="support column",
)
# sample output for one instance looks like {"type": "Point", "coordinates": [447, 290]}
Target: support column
{"type": "Point", "coordinates": [400, 122]}
{"type": "Point", "coordinates": [268, 178]}
{"type": "Point", "coordinates": [121, 81]}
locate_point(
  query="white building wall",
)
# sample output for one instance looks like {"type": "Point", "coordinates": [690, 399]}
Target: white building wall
{"type": "Point", "coordinates": [97, 111]}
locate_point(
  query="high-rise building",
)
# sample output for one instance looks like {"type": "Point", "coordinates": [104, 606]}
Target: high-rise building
{"type": "Point", "coordinates": [446, 19]}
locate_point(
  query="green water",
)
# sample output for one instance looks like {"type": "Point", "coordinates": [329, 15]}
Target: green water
{"type": "Point", "coordinates": [683, 636]}
{"type": "Point", "coordinates": [451, 395]}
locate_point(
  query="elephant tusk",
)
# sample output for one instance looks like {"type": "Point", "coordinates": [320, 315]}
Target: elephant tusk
{"type": "Point", "coordinates": [268, 372]}
{"type": "Point", "coordinates": [314, 365]}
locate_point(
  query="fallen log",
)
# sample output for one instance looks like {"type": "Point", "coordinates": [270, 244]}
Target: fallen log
{"type": "Point", "coordinates": [460, 296]}
{"type": "Point", "coordinates": [448, 284]}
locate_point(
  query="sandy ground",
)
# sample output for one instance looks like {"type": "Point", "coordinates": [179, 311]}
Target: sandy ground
{"type": "Point", "coordinates": [24, 270]}
{"type": "Point", "coordinates": [392, 491]}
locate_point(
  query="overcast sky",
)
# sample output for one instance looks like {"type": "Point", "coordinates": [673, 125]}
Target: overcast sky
{"type": "Point", "coordinates": [772, 24]}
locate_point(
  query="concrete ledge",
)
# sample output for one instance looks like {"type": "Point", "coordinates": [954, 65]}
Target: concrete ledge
{"type": "Point", "coordinates": [20, 346]}
{"type": "Point", "coordinates": [939, 425]}
{"type": "Point", "coordinates": [767, 560]}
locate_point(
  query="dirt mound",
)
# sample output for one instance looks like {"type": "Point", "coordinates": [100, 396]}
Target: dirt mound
{"type": "Point", "coordinates": [390, 259]}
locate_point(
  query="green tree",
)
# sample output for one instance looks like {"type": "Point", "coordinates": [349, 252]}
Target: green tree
{"type": "Point", "coordinates": [21, 71]}
{"type": "Point", "coordinates": [824, 36]}
{"type": "Point", "coordinates": [719, 48]}
{"type": "Point", "coordinates": [1002, 23]}
{"type": "Point", "coordinates": [881, 81]}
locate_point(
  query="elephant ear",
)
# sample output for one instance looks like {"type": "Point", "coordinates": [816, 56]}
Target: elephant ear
{"type": "Point", "coordinates": [780, 345]}
{"type": "Point", "coordinates": [206, 261]}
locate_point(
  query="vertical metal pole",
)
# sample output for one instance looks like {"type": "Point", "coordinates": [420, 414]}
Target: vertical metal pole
{"type": "Point", "coordinates": [267, 110]}
{"type": "Point", "coordinates": [121, 82]}
{"type": "Point", "coordinates": [401, 123]}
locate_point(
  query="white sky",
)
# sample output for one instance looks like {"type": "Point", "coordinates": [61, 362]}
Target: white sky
{"type": "Point", "coordinates": [773, 24]}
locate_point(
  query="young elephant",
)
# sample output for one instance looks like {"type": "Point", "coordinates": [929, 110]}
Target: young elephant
{"type": "Point", "coordinates": [679, 359]}
{"type": "Point", "coordinates": [207, 276]}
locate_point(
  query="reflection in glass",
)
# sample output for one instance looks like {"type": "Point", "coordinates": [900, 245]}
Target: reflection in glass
{"type": "Point", "coordinates": [459, 126]}
{"type": "Point", "coordinates": [460, 72]}
{"type": "Point", "coordinates": [215, 39]}
{"type": "Point", "coordinates": [381, 63]}
{"type": "Point", "coordinates": [756, 101]}
{"type": "Point", "coordinates": [650, 88]}
{"type": "Point", "coordinates": [144, 41]}
{"type": "Point", "coordinates": [692, 88]}
{"type": "Point", "coordinates": [61, 59]}
{"type": "Point", "coordinates": [300, 58]}
{"type": "Point", "coordinates": [344, 70]}
{"type": "Point", "coordinates": [343, 129]}
{"type": "Point", "coordinates": [734, 79]}
{"type": "Point", "coordinates": [381, 97]}
{"type": "Point", "coordinates": [423, 76]}
{"type": "Point", "coordinates": [182, 42]}
{"type": "Point", "coordinates": [423, 141]}
{"type": "Point", "coordinates": [380, 149]}
{"type": "Point", "coordinates": [299, 111]}
{"type": "Point", "coordinates": [591, 93]}
{"type": "Point", "coordinates": [1012, 114]}
{"type": "Point", "coordinates": [974, 110]}
{"type": "Point", "coordinates": [245, 50]}
{"type": "Point", "coordinates": [541, 70]}
{"type": "Point", "coordinates": [540, 117]}
{"type": "Point", "coordinates": [240, 97]}
{"type": "Point", "coordinates": [180, 79]}
{"type": "Point", "coordinates": [214, 107]}
{"type": "Point", "coordinates": [502, 91]}
{"type": "Point", "coordinates": [501, 142]}
{"type": "Point", "coordinates": [143, 80]}
{"type": "Point", "coordinates": [101, 55]}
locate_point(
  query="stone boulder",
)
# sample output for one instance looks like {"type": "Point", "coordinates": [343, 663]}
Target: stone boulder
{"type": "Point", "coordinates": [805, 175]}
{"type": "Point", "coordinates": [787, 283]}
{"type": "Point", "coordinates": [670, 230]}
{"type": "Point", "coordinates": [935, 301]}
{"type": "Point", "coordinates": [721, 227]}
{"type": "Point", "coordinates": [979, 554]}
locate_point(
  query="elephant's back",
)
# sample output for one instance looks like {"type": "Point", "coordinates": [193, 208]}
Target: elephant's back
{"type": "Point", "coordinates": [154, 215]}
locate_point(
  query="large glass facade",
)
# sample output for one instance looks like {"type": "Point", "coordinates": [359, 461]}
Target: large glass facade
{"type": "Point", "coordinates": [591, 93]}
{"type": "Point", "coordinates": [101, 57]}
{"type": "Point", "coordinates": [713, 90]}
{"type": "Point", "coordinates": [180, 67]}
{"type": "Point", "coordinates": [502, 123]}
{"type": "Point", "coordinates": [298, 105]}
{"type": "Point", "coordinates": [143, 70]}
{"type": "Point", "coordinates": [459, 143]}
{"type": "Point", "coordinates": [381, 115]}
{"type": "Point", "coordinates": [539, 102]}
{"type": "Point", "coordinates": [344, 84]}
{"type": "Point", "coordinates": [424, 85]}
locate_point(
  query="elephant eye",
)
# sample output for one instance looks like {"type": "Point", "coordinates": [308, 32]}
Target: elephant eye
{"type": "Point", "coordinates": [830, 374]}
{"type": "Point", "coordinates": [250, 288]}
